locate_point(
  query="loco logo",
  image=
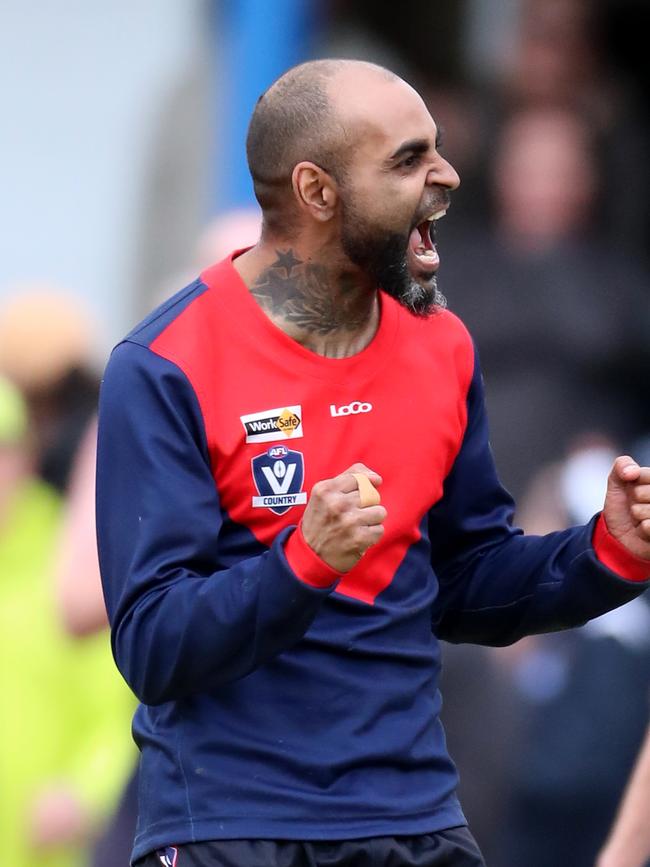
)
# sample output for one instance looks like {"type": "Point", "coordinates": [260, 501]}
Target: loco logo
{"type": "Point", "coordinates": [353, 408]}
{"type": "Point", "coordinates": [278, 474]}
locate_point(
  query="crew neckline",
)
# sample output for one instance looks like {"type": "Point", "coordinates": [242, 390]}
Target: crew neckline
{"type": "Point", "coordinates": [224, 276]}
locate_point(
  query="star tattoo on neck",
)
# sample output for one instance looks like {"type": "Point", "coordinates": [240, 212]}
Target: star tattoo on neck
{"type": "Point", "coordinates": [287, 261]}
{"type": "Point", "coordinates": [307, 297]}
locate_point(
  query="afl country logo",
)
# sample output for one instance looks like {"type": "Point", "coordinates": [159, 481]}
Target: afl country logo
{"type": "Point", "coordinates": [273, 424]}
{"type": "Point", "coordinates": [278, 474]}
{"type": "Point", "coordinates": [168, 857]}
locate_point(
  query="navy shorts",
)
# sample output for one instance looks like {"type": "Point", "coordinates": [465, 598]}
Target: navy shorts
{"type": "Point", "coordinates": [454, 847]}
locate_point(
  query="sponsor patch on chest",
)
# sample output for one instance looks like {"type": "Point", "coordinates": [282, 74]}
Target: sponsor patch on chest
{"type": "Point", "coordinates": [273, 424]}
{"type": "Point", "coordinates": [278, 474]}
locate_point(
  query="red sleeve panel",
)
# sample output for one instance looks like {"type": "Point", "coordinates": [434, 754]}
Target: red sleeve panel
{"type": "Point", "coordinates": [616, 556]}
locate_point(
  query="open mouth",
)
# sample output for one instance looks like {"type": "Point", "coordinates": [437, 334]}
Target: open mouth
{"type": "Point", "coordinates": [422, 243]}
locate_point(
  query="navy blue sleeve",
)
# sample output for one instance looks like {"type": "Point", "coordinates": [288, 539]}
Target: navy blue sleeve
{"type": "Point", "coordinates": [182, 621]}
{"type": "Point", "coordinates": [495, 584]}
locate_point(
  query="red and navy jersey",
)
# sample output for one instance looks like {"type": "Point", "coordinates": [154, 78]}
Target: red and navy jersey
{"type": "Point", "coordinates": [279, 698]}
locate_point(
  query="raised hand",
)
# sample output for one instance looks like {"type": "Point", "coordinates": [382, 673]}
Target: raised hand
{"type": "Point", "coordinates": [334, 524]}
{"type": "Point", "coordinates": [627, 505]}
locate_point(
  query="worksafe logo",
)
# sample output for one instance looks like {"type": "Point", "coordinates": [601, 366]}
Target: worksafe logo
{"type": "Point", "coordinates": [273, 424]}
{"type": "Point", "coordinates": [278, 475]}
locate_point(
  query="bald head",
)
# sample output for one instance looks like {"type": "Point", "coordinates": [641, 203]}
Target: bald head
{"type": "Point", "coordinates": [299, 119]}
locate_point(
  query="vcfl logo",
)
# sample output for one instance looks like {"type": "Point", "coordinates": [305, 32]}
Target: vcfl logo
{"type": "Point", "coordinates": [353, 408]}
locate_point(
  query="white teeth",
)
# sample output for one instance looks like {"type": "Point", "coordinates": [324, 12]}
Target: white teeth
{"type": "Point", "coordinates": [437, 215]}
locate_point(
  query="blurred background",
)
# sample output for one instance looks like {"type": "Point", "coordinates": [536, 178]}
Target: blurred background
{"type": "Point", "coordinates": [123, 173]}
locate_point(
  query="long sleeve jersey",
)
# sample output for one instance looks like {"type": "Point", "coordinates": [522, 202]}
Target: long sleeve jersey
{"type": "Point", "coordinates": [280, 698]}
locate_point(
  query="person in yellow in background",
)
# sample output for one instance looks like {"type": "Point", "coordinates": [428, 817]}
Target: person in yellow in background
{"type": "Point", "coordinates": [63, 753]}
{"type": "Point", "coordinates": [80, 602]}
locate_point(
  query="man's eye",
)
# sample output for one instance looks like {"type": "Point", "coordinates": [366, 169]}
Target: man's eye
{"type": "Point", "coordinates": [409, 162]}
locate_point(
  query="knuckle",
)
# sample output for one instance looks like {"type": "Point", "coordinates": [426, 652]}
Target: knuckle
{"type": "Point", "coordinates": [374, 534]}
{"type": "Point", "coordinates": [319, 490]}
{"type": "Point", "coordinates": [360, 538]}
{"type": "Point", "coordinates": [338, 505]}
{"type": "Point", "coordinates": [374, 515]}
{"type": "Point", "coordinates": [641, 494]}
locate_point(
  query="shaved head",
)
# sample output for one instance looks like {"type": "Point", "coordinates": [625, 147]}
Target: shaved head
{"type": "Point", "coordinates": [297, 119]}
{"type": "Point", "coordinates": [345, 164]}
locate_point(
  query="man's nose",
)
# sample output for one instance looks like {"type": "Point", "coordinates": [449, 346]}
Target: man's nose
{"type": "Point", "coordinates": [443, 174]}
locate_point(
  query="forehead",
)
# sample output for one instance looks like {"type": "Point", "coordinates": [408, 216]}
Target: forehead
{"type": "Point", "coordinates": [380, 114]}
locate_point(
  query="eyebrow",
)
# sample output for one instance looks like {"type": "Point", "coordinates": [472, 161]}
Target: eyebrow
{"type": "Point", "coordinates": [413, 146]}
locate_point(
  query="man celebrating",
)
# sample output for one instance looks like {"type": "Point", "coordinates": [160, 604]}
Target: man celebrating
{"type": "Point", "coordinates": [278, 623]}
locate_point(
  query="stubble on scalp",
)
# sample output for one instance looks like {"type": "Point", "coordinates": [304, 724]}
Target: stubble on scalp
{"type": "Point", "coordinates": [296, 120]}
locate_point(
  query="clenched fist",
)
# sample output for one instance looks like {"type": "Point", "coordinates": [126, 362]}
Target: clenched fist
{"type": "Point", "coordinates": [627, 505]}
{"type": "Point", "coordinates": [335, 526]}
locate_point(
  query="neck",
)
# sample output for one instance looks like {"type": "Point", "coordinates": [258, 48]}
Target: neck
{"type": "Point", "coordinates": [315, 299]}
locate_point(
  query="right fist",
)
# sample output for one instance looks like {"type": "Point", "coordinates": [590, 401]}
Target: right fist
{"type": "Point", "coordinates": [335, 526]}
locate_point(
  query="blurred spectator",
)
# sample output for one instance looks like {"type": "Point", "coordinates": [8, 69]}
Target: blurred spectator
{"type": "Point", "coordinates": [568, 489]}
{"type": "Point", "coordinates": [562, 59]}
{"type": "Point", "coordinates": [78, 584]}
{"type": "Point", "coordinates": [584, 704]}
{"type": "Point", "coordinates": [480, 714]}
{"type": "Point", "coordinates": [582, 700]}
{"type": "Point", "coordinates": [561, 321]}
{"type": "Point", "coordinates": [629, 842]}
{"type": "Point", "coordinates": [46, 349]}
{"type": "Point", "coordinates": [61, 753]}
{"type": "Point", "coordinates": [544, 180]}
{"type": "Point", "coordinates": [544, 733]}
{"type": "Point", "coordinates": [559, 309]}
{"type": "Point", "coordinates": [221, 235]}
{"type": "Point", "coordinates": [225, 233]}
{"type": "Point", "coordinates": [573, 55]}
{"type": "Point", "coordinates": [552, 61]}
{"type": "Point", "coordinates": [83, 612]}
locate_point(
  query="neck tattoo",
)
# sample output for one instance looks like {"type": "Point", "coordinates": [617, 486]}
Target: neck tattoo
{"type": "Point", "coordinates": [305, 295]}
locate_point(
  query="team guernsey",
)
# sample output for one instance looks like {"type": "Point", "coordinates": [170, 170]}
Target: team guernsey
{"type": "Point", "coordinates": [279, 697]}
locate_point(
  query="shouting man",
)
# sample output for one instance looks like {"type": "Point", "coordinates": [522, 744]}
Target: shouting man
{"type": "Point", "coordinates": [278, 623]}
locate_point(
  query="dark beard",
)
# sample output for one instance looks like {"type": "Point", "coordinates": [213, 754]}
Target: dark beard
{"type": "Point", "coordinates": [382, 255]}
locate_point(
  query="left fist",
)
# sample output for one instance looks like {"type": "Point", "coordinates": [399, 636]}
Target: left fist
{"type": "Point", "coordinates": [627, 505]}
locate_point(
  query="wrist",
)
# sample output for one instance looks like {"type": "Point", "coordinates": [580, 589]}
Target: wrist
{"type": "Point", "coordinates": [306, 564]}
{"type": "Point", "coordinates": [616, 556]}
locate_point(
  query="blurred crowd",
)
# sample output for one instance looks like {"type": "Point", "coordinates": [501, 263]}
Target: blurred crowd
{"type": "Point", "coordinates": [544, 256]}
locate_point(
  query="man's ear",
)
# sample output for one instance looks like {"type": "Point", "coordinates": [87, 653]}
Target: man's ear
{"type": "Point", "coordinates": [315, 191]}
